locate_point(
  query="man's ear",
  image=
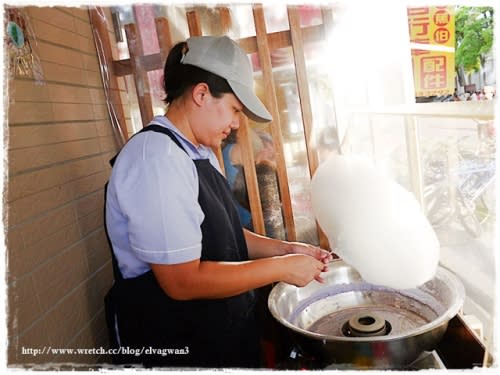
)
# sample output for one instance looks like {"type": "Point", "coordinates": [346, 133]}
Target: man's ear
{"type": "Point", "coordinates": [199, 93]}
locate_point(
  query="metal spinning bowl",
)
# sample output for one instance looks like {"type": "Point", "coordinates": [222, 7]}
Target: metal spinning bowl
{"type": "Point", "coordinates": [348, 321]}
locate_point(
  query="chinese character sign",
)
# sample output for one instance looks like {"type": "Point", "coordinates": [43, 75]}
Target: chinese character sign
{"type": "Point", "coordinates": [432, 34]}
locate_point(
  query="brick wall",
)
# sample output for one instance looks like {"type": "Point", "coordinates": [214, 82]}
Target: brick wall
{"type": "Point", "coordinates": [59, 142]}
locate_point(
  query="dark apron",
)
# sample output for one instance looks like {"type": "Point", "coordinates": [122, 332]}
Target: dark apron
{"type": "Point", "coordinates": [142, 320]}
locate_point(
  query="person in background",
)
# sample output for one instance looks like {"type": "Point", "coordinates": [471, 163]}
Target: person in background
{"type": "Point", "coordinates": [233, 165]}
{"type": "Point", "coordinates": [268, 152]}
{"type": "Point", "coordinates": [265, 167]}
{"type": "Point", "coordinates": [185, 270]}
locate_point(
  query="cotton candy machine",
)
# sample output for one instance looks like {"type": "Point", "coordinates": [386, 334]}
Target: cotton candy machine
{"type": "Point", "coordinates": [349, 322]}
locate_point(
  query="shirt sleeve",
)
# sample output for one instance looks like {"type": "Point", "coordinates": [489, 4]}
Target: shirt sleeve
{"type": "Point", "coordinates": [157, 191]}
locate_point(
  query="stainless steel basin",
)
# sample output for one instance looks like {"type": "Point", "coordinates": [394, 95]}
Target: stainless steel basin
{"type": "Point", "coordinates": [349, 321]}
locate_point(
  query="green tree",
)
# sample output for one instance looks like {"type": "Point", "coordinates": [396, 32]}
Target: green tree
{"type": "Point", "coordinates": [474, 37]}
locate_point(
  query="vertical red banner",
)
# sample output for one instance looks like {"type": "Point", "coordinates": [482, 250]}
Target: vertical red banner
{"type": "Point", "coordinates": [432, 34]}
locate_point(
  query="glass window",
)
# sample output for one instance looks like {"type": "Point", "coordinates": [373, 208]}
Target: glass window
{"type": "Point", "coordinates": [453, 62]}
{"type": "Point", "coordinates": [413, 96]}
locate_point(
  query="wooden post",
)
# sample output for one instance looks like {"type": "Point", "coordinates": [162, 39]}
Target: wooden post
{"type": "Point", "coordinates": [305, 99]}
{"type": "Point", "coordinates": [302, 86]}
{"type": "Point", "coordinates": [275, 126]}
{"type": "Point", "coordinates": [245, 142]}
{"type": "Point", "coordinates": [111, 88]}
{"type": "Point", "coordinates": [194, 23]}
{"type": "Point", "coordinates": [164, 37]}
{"type": "Point", "coordinates": [225, 19]}
{"type": "Point", "coordinates": [140, 74]}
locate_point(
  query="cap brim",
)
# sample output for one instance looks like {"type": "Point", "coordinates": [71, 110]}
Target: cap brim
{"type": "Point", "coordinates": [253, 107]}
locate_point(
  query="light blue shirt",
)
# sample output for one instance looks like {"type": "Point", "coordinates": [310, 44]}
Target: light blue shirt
{"type": "Point", "coordinates": [152, 209]}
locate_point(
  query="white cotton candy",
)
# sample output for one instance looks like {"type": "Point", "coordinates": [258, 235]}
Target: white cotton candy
{"type": "Point", "coordinates": [376, 225]}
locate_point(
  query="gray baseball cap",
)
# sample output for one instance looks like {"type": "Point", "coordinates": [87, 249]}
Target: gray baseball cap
{"type": "Point", "coordinates": [222, 56]}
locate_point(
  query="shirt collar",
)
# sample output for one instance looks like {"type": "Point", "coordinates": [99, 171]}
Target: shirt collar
{"type": "Point", "coordinates": [195, 152]}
